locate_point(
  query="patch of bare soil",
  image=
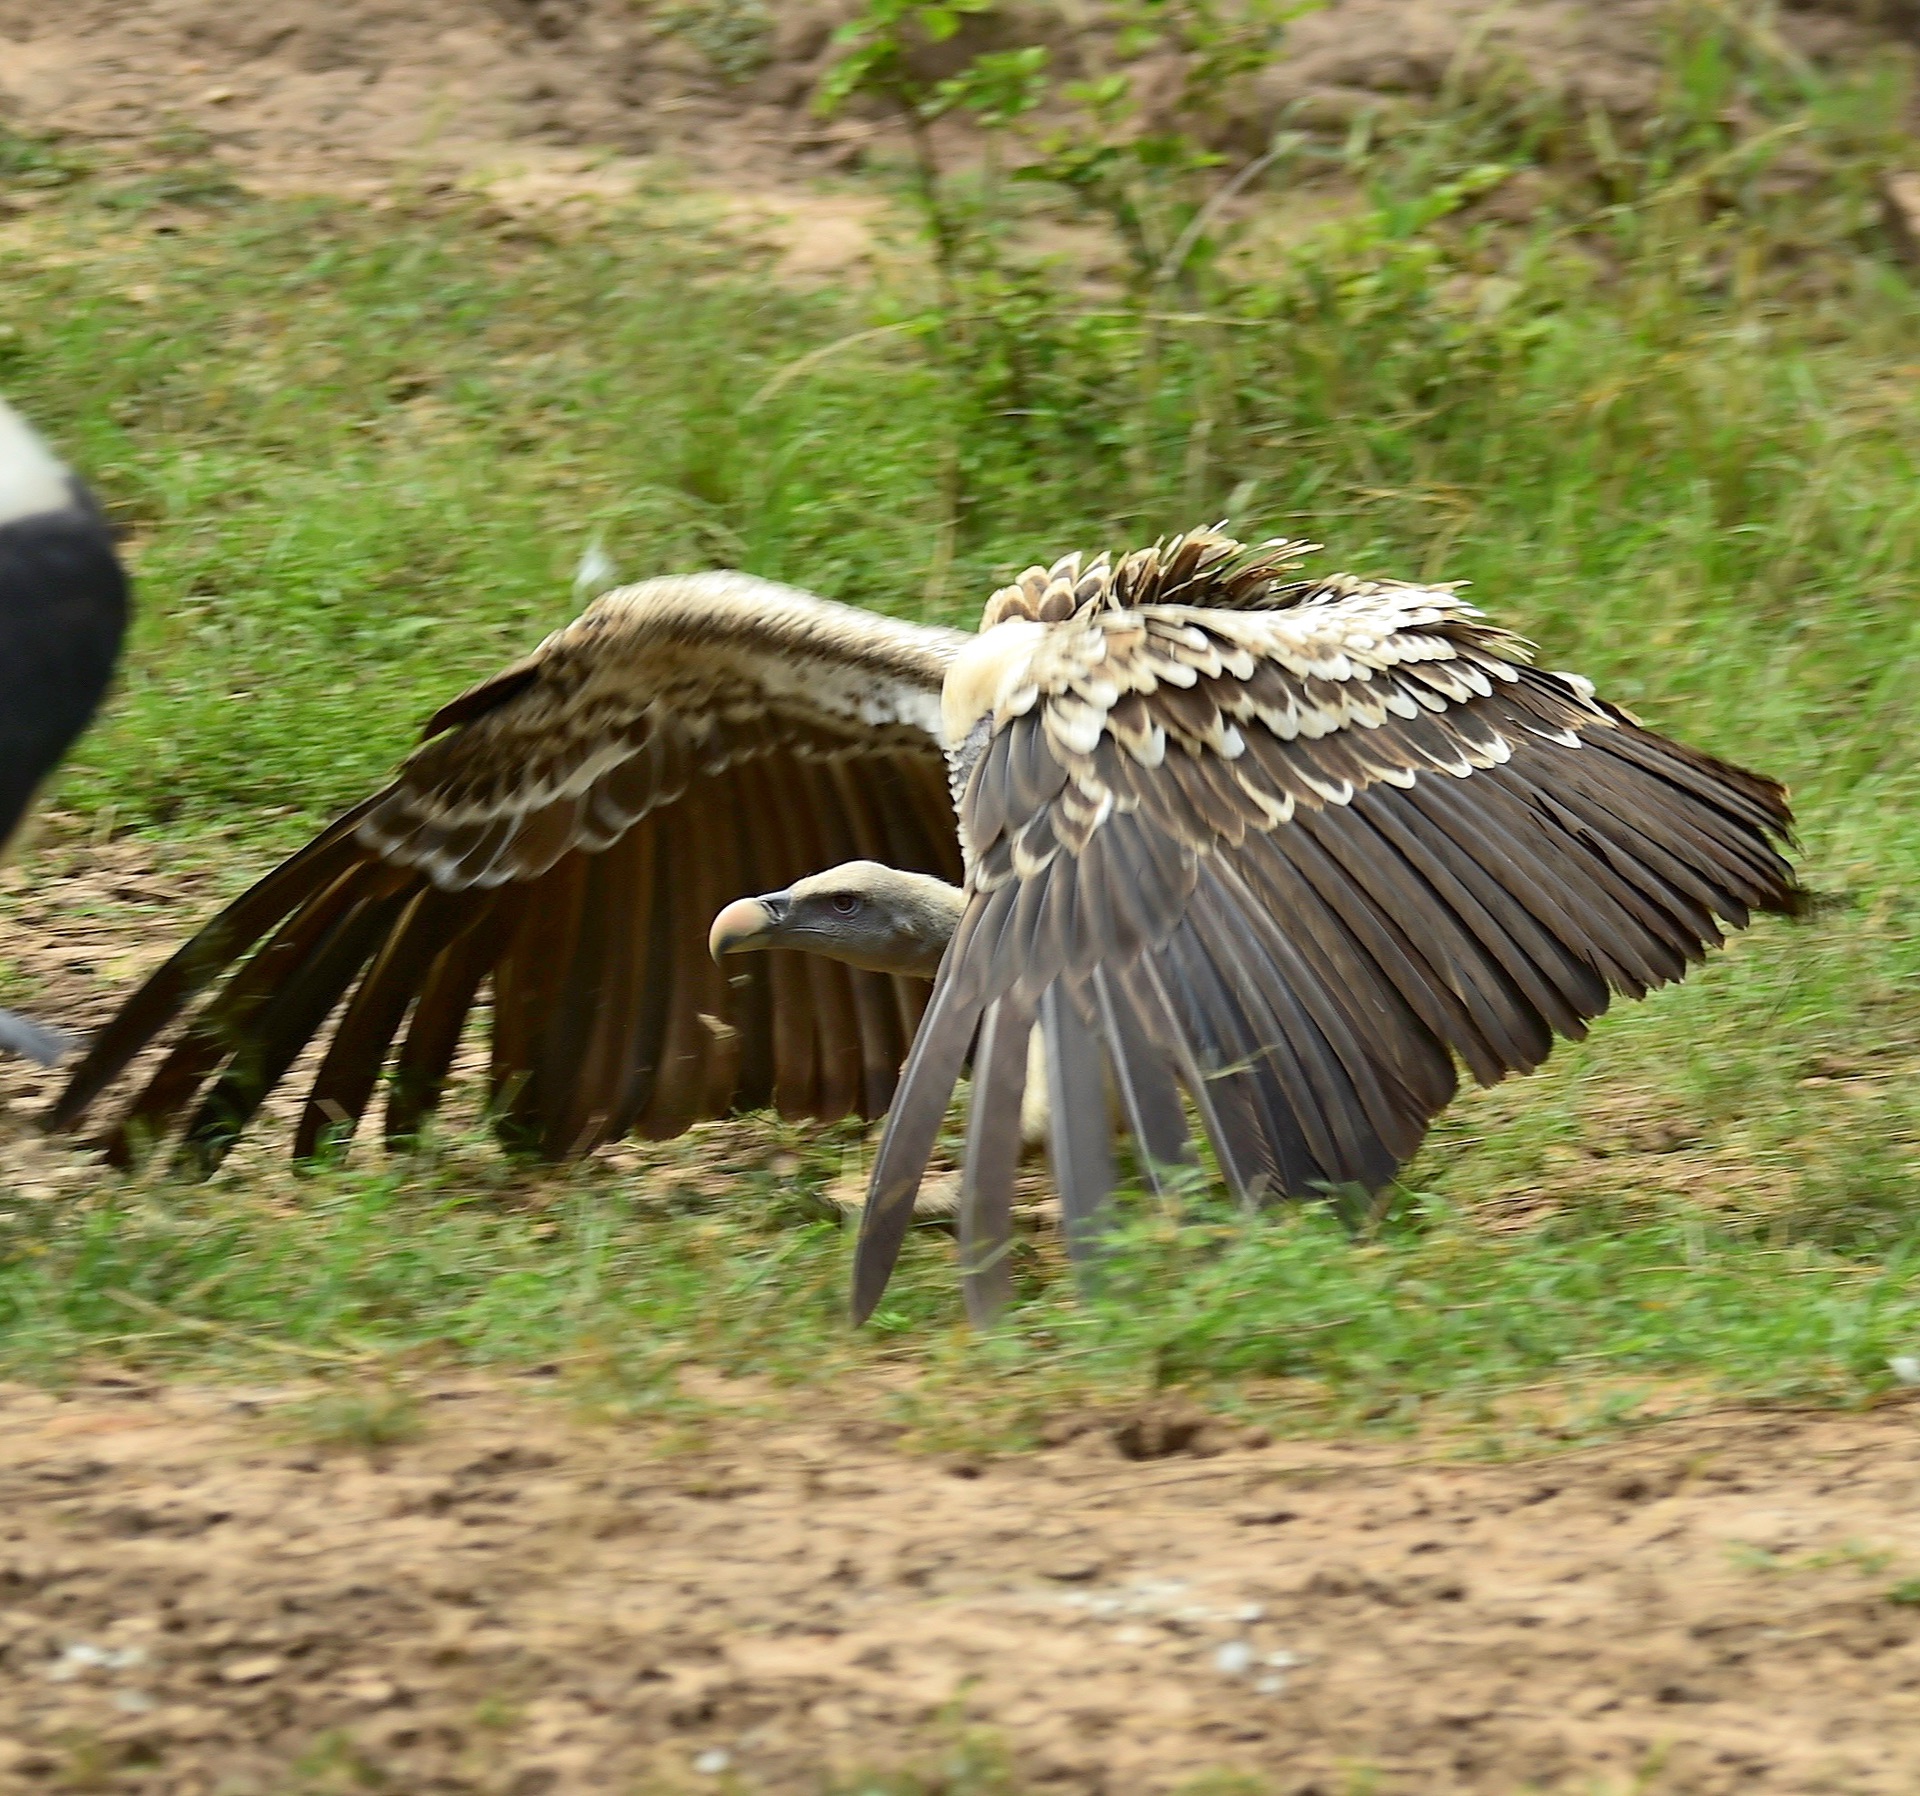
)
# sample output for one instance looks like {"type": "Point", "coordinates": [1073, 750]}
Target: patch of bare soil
{"type": "Point", "coordinates": [191, 1601]}
{"type": "Point", "coordinates": [81, 922]}
{"type": "Point", "coordinates": [346, 93]}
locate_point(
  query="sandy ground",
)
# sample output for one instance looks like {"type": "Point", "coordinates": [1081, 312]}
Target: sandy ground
{"type": "Point", "coordinates": [324, 89]}
{"type": "Point", "coordinates": [572, 102]}
{"type": "Point", "coordinates": [194, 1600]}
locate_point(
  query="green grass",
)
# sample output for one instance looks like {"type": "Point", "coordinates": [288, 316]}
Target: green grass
{"type": "Point", "coordinates": [1668, 429]}
{"type": "Point", "coordinates": [617, 1282]}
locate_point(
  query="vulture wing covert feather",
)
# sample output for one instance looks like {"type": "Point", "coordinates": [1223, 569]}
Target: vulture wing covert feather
{"type": "Point", "coordinates": [1299, 847]}
{"type": "Point", "coordinates": [565, 835]}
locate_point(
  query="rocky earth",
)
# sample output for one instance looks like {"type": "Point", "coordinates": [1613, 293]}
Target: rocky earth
{"type": "Point", "coordinates": [200, 1596]}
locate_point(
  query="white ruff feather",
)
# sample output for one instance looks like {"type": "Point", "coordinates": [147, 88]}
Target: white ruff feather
{"type": "Point", "coordinates": [31, 480]}
{"type": "Point", "coordinates": [986, 673]}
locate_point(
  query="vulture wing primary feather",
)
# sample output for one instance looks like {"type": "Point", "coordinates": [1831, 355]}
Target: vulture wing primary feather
{"type": "Point", "coordinates": [63, 612]}
{"type": "Point", "coordinates": [564, 837]}
{"type": "Point", "coordinates": [1294, 848]}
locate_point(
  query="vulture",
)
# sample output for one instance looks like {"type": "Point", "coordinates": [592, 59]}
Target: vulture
{"type": "Point", "coordinates": [63, 613]}
{"type": "Point", "coordinates": [1184, 833]}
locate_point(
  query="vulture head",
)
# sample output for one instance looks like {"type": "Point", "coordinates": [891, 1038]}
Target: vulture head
{"type": "Point", "coordinates": [862, 913]}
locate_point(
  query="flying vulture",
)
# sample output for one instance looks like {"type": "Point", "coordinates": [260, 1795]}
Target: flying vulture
{"type": "Point", "coordinates": [63, 612]}
{"type": "Point", "coordinates": [1282, 849]}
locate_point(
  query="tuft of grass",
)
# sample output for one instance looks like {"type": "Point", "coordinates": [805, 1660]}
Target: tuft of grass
{"type": "Point", "coordinates": [28, 162]}
{"type": "Point", "coordinates": [615, 1283]}
{"type": "Point", "coordinates": [335, 1765]}
{"type": "Point", "coordinates": [973, 1762]}
{"type": "Point", "coordinates": [1665, 427]}
{"type": "Point", "coordinates": [735, 36]}
{"type": "Point", "coordinates": [360, 1417]}
{"type": "Point", "coordinates": [1851, 1555]}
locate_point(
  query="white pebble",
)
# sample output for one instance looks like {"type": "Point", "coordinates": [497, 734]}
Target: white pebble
{"type": "Point", "coordinates": [1251, 1611]}
{"type": "Point", "coordinates": [713, 1762]}
{"type": "Point", "coordinates": [1234, 1659]}
{"type": "Point", "coordinates": [1270, 1685]}
{"type": "Point", "coordinates": [1905, 1367]}
{"type": "Point", "coordinates": [83, 1655]}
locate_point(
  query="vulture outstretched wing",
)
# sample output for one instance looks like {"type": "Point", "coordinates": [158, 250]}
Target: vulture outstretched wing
{"type": "Point", "coordinates": [1298, 847]}
{"type": "Point", "coordinates": [565, 835]}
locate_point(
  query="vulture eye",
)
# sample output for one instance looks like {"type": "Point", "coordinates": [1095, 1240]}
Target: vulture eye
{"type": "Point", "coordinates": [845, 904]}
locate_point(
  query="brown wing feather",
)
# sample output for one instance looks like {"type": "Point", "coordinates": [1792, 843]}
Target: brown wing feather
{"type": "Point", "coordinates": [835, 1073]}
{"type": "Point", "coordinates": [447, 989]}
{"type": "Point", "coordinates": [993, 1158]}
{"type": "Point", "coordinates": [565, 837]}
{"type": "Point", "coordinates": [795, 1059]}
{"type": "Point", "coordinates": [679, 1068]}
{"type": "Point", "coordinates": [366, 1030]}
{"type": "Point", "coordinates": [1310, 847]}
{"type": "Point", "coordinates": [905, 786]}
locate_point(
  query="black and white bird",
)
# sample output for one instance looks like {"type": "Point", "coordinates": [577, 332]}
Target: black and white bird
{"type": "Point", "coordinates": [1283, 850]}
{"type": "Point", "coordinates": [63, 613]}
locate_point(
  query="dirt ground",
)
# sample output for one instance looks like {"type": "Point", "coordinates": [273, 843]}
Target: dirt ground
{"type": "Point", "coordinates": [558, 98]}
{"type": "Point", "coordinates": [193, 1600]}
{"type": "Point", "coordinates": [82, 920]}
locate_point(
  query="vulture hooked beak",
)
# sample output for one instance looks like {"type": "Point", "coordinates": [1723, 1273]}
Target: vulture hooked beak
{"type": "Point", "coordinates": [861, 913]}
{"type": "Point", "coordinates": [748, 923]}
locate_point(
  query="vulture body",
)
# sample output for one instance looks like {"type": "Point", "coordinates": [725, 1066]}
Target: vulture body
{"type": "Point", "coordinates": [1285, 850]}
{"type": "Point", "coordinates": [63, 613]}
